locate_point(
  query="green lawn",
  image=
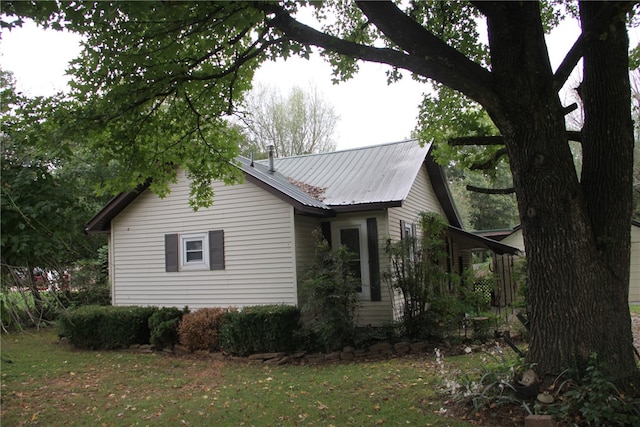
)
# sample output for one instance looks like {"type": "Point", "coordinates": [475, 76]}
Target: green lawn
{"type": "Point", "coordinates": [48, 383]}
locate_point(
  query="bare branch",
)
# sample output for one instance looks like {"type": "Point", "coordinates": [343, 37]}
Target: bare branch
{"type": "Point", "coordinates": [608, 13]}
{"type": "Point", "coordinates": [476, 140]}
{"type": "Point", "coordinates": [489, 163]}
{"type": "Point", "coordinates": [573, 135]}
{"type": "Point", "coordinates": [498, 140]}
{"type": "Point", "coordinates": [569, 108]}
{"type": "Point", "coordinates": [491, 190]}
{"type": "Point", "coordinates": [427, 56]}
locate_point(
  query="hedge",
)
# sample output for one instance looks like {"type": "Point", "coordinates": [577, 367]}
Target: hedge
{"type": "Point", "coordinates": [106, 327]}
{"type": "Point", "coordinates": [260, 329]}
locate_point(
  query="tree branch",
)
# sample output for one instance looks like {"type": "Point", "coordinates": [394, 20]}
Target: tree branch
{"type": "Point", "coordinates": [498, 140]}
{"type": "Point", "coordinates": [491, 190]}
{"type": "Point", "coordinates": [476, 140]}
{"type": "Point", "coordinates": [608, 13]}
{"type": "Point", "coordinates": [569, 108]}
{"type": "Point", "coordinates": [573, 135]}
{"type": "Point", "coordinates": [449, 66]}
{"type": "Point", "coordinates": [491, 162]}
{"type": "Point", "coordinates": [426, 56]}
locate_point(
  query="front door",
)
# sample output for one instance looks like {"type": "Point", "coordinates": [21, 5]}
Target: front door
{"type": "Point", "coordinates": [353, 235]}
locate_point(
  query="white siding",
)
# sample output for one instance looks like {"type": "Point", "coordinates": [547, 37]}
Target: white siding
{"type": "Point", "coordinates": [259, 249]}
{"type": "Point", "coordinates": [421, 198]}
{"type": "Point", "coordinates": [634, 279]}
{"type": "Point", "coordinates": [374, 313]}
{"type": "Point", "coordinates": [305, 242]}
{"type": "Point", "coordinates": [515, 239]}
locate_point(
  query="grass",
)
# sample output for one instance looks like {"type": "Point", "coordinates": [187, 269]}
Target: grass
{"type": "Point", "coordinates": [45, 382]}
{"type": "Point", "coordinates": [634, 308]}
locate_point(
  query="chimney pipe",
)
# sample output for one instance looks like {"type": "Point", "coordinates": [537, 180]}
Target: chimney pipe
{"type": "Point", "coordinates": [271, 156]}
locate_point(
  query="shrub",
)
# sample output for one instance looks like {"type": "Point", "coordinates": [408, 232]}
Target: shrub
{"type": "Point", "coordinates": [590, 398]}
{"type": "Point", "coordinates": [417, 273]}
{"type": "Point", "coordinates": [106, 327]}
{"type": "Point", "coordinates": [329, 296]}
{"type": "Point", "coordinates": [163, 326]}
{"type": "Point", "coordinates": [259, 329]}
{"type": "Point", "coordinates": [487, 390]}
{"type": "Point", "coordinates": [200, 329]}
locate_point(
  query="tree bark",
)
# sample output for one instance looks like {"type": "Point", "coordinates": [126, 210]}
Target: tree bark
{"type": "Point", "coordinates": [607, 178]}
{"type": "Point", "coordinates": [576, 281]}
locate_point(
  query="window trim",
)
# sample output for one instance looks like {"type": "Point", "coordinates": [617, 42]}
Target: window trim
{"type": "Point", "coordinates": [202, 264]}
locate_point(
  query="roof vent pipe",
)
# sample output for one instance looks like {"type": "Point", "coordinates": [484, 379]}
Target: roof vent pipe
{"type": "Point", "coordinates": [271, 155]}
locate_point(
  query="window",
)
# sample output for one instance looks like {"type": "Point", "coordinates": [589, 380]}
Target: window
{"type": "Point", "coordinates": [194, 251]}
{"type": "Point", "coordinates": [194, 254]}
{"type": "Point", "coordinates": [408, 233]}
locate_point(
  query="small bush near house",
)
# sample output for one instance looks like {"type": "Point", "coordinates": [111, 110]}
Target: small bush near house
{"type": "Point", "coordinates": [106, 327]}
{"type": "Point", "coordinates": [260, 329]}
{"type": "Point", "coordinates": [329, 296]}
{"type": "Point", "coordinates": [163, 326]}
{"type": "Point", "coordinates": [200, 329]}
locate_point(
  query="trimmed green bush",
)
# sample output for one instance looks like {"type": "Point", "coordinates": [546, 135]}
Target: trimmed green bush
{"type": "Point", "coordinates": [106, 327]}
{"type": "Point", "coordinates": [163, 326]}
{"type": "Point", "coordinates": [200, 329]}
{"type": "Point", "coordinates": [260, 329]}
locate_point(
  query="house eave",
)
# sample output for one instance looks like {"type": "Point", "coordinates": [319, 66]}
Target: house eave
{"type": "Point", "coordinates": [441, 188]}
{"type": "Point", "coordinates": [362, 207]}
{"type": "Point", "coordinates": [101, 222]}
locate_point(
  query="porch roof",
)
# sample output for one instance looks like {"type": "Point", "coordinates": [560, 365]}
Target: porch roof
{"type": "Point", "coordinates": [473, 241]}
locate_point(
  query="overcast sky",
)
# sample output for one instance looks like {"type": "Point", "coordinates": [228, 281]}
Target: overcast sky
{"type": "Point", "coordinates": [371, 112]}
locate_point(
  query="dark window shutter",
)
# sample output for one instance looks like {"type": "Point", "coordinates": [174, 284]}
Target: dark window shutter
{"type": "Point", "coordinates": [171, 253]}
{"type": "Point", "coordinates": [374, 260]}
{"type": "Point", "coordinates": [325, 227]}
{"type": "Point", "coordinates": [216, 250]}
{"type": "Point", "coordinates": [402, 224]}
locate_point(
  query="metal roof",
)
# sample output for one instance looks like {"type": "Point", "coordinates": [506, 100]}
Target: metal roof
{"type": "Point", "coordinates": [281, 186]}
{"type": "Point", "coordinates": [367, 178]}
{"type": "Point", "coordinates": [380, 174]}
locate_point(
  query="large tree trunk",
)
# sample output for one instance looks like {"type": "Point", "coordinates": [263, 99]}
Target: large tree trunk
{"type": "Point", "coordinates": [576, 235]}
{"type": "Point", "coordinates": [607, 177]}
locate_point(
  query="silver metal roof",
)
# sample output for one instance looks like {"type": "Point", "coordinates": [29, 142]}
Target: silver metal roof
{"type": "Point", "coordinates": [281, 184]}
{"type": "Point", "coordinates": [379, 174]}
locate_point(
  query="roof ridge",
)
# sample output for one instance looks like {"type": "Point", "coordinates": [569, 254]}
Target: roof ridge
{"type": "Point", "coordinates": [346, 150]}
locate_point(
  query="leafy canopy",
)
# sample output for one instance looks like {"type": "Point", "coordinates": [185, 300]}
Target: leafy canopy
{"type": "Point", "coordinates": [156, 81]}
{"type": "Point", "coordinates": [46, 191]}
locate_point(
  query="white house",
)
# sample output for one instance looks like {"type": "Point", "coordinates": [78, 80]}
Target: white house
{"type": "Point", "coordinates": [253, 244]}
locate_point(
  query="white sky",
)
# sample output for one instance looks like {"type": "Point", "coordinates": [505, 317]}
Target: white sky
{"type": "Point", "coordinates": [371, 112]}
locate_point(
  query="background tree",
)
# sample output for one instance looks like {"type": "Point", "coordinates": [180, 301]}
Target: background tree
{"type": "Point", "coordinates": [479, 175]}
{"type": "Point", "coordinates": [299, 123]}
{"type": "Point", "coordinates": [46, 196]}
{"type": "Point", "coordinates": [145, 63]}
